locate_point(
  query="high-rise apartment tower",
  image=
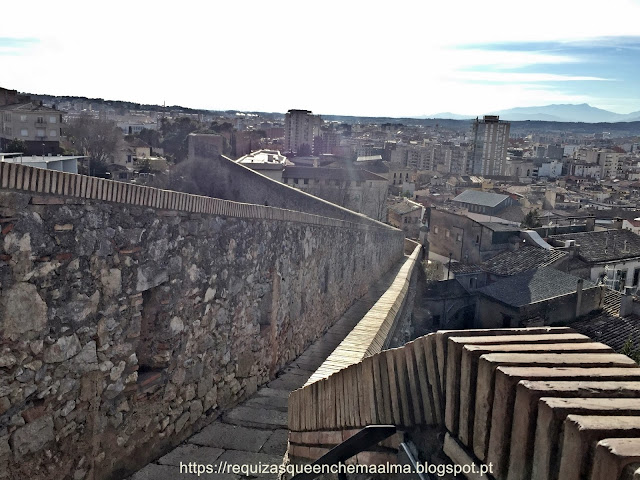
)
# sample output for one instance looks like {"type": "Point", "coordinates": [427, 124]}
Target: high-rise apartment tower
{"type": "Point", "coordinates": [300, 127]}
{"type": "Point", "coordinates": [490, 138]}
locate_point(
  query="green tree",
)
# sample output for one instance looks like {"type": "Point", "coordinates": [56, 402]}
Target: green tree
{"type": "Point", "coordinates": [629, 349]}
{"type": "Point", "coordinates": [175, 133]}
{"type": "Point", "coordinates": [16, 146]}
{"type": "Point", "coordinates": [531, 220]}
{"type": "Point", "coordinates": [150, 137]}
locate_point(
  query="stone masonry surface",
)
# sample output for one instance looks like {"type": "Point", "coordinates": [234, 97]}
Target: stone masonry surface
{"type": "Point", "coordinates": [125, 328]}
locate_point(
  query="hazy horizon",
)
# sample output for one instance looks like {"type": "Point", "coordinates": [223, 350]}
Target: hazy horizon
{"type": "Point", "coordinates": [338, 58]}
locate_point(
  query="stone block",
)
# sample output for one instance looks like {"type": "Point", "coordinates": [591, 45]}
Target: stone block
{"type": "Point", "coordinates": [22, 311]}
{"type": "Point", "coordinates": [498, 402]}
{"type": "Point", "coordinates": [552, 413]}
{"type": "Point", "coordinates": [460, 456]}
{"type": "Point", "coordinates": [469, 374]}
{"type": "Point", "coordinates": [442, 336]}
{"type": "Point", "coordinates": [528, 393]}
{"type": "Point", "coordinates": [32, 437]}
{"type": "Point", "coordinates": [582, 433]}
{"type": "Point", "coordinates": [454, 359]}
{"type": "Point", "coordinates": [613, 455]}
{"type": "Point", "coordinates": [486, 370]}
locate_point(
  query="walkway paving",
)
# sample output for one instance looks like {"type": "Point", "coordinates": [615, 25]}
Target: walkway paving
{"type": "Point", "coordinates": [256, 430]}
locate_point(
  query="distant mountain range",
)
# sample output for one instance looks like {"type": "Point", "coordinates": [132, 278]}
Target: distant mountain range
{"type": "Point", "coordinates": [553, 113]}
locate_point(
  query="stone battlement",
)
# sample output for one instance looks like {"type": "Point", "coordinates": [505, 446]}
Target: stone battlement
{"type": "Point", "coordinates": [535, 403]}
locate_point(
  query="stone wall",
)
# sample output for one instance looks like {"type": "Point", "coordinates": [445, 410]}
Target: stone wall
{"type": "Point", "coordinates": [124, 328]}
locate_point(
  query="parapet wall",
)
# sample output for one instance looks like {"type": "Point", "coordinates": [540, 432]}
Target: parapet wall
{"type": "Point", "coordinates": [236, 182]}
{"type": "Point", "coordinates": [130, 317]}
{"type": "Point", "coordinates": [536, 403]}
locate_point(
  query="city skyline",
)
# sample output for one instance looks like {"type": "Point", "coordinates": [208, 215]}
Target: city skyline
{"type": "Point", "coordinates": [353, 59]}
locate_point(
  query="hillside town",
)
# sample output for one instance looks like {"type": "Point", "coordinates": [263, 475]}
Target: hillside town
{"type": "Point", "coordinates": [530, 227]}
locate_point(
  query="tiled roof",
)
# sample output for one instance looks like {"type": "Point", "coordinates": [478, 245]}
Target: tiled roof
{"type": "Point", "coordinates": [600, 246]}
{"type": "Point", "coordinates": [404, 207]}
{"type": "Point", "coordinates": [30, 107]}
{"type": "Point", "coordinates": [533, 286]}
{"type": "Point", "coordinates": [321, 173]}
{"type": "Point", "coordinates": [465, 268]}
{"type": "Point", "coordinates": [521, 260]}
{"type": "Point", "coordinates": [486, 199]}
{"type": "Point", "coordinates": [607, 326]}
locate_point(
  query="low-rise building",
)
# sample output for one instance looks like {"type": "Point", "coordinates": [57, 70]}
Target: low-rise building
{"type": "Point", "coordinates": [611, 257]}
{"type": "Point", "coordinates": [352, 188]}
{"type": "Point", "coordinates": [39, 127]}
{"type": "Point", "coordinates": [543, 296]}
{"type": "Point", "coordinates": [406, 215]}
{"type": "Point", "coordinates": [486, 203]}
{"type": "Point", "coordinates": [268, 162]}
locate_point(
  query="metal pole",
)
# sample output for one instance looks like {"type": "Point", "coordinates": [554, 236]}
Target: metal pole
{"type": "Point", "coordinates": [449, 267]}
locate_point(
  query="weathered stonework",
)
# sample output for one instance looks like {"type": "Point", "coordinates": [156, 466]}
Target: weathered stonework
{"type": "Point", "coordinates": [124, 329]}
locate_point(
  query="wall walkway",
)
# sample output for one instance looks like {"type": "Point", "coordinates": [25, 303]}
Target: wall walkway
{"type": "Point", "coordinates": [256, 430]}
{"type": "Point", "coordinates": [130, 317]}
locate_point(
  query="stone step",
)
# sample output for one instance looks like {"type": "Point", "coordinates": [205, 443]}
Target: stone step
{"type": "Point", "coordinates": [503, 393]}
{"type": "Point", "coordinates": [256, 417]}
{"type": "Point", "coordinates": [552, 412]}
{"type": "Point", "coordinates": [268, 403]}
{"type": "Point", "coordinates": [455, 346]}
{"type": "Point", "coordinates": [582, 433]}
{"type": "Point", "coordinates": [231, 437]}
{"type": "Point", "coordinates": [256, 460]}
{"type": "Point", "coordinates": [190, 452]}
{"type": "Point", "coordinates": [613, 455]}
{"type": "Point", "coordinates": [169, 472]}
{"type": "Point", "coordinates": [469, 373]}
{"type": "Point", "coordinates": [528, 394]}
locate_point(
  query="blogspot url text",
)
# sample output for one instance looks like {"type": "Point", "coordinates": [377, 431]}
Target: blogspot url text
{"type": "Point", "coordinates": [440, 470]}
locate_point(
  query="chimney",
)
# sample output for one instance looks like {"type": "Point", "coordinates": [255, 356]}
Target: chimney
{"type": "Point", "coordinates": [626, 305]}
{"type": "Point", "coordinates": [591, 223]}
{"type": "Point", "coordinates": [579, 297]}
{"type": "Point", "coordinates": [617, 223]}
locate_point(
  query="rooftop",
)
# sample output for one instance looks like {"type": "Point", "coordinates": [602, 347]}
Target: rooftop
{"type": "Point", "coordinates": [607, 326]}
{"type": "Point", "coordinates": [533, 286]}
{"type": "Point", "coordinates": [476, 197]}
{"type": "Point", "coordinates": [30, 107]}
{"type": "Point", "coordinates": [525, 258]}
{"type": "Point", "coordinates": [322, 173]}
{"type": "Point", "coordinates": [405, 206]}
{"type": "Point", "coordinates": [266, 157]}
{"type": "Point", "coordinates": [605, 245]}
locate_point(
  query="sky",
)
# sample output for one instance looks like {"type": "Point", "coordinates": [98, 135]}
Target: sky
{"type": "Point", "coordinates": [346, 57]}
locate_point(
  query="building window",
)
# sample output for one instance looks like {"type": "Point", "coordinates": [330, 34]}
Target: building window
{"type": "Point", "coordinates": [40, 132]}
{"type": "Point", "coordinates": [306, 181]}
{"type": "Point", "coordinates": [435, 230]}
{"type": "Point", "coordinates": [52, 119]}
{"type": "Point", "coordinates": [295, 180]}
{"type": "Point", "coordinates": [24, 132]}
{"type": "Point", "coordinates": [40, 120]}
{"type": "Point", "coordinates": [23, 118]}
{"type": "Point", "coordinates": [52, 133]}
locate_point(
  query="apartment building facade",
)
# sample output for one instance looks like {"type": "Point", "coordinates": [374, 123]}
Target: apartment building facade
{"type": "Point", "coordinates": [490, 138]}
